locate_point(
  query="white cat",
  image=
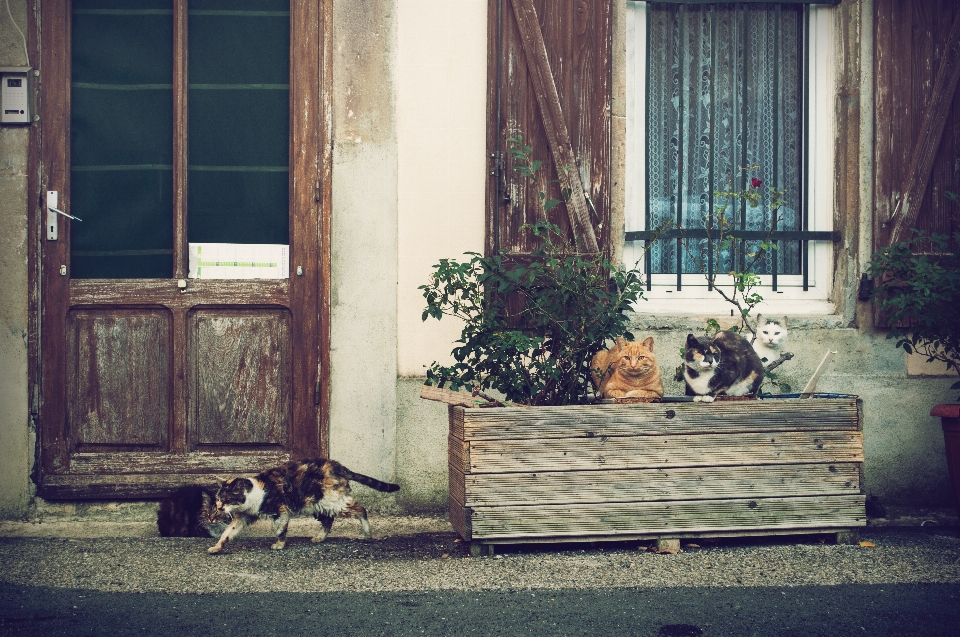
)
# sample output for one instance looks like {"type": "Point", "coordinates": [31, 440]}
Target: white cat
{"type": "Point", "coordinates": [771, 335]}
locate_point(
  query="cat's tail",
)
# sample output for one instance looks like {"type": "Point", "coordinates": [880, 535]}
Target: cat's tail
{"type": "Point", "coordinates": [373, 483]}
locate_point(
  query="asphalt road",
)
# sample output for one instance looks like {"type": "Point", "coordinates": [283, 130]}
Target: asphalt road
{"type": "Point", "coordinates": [926, 610]}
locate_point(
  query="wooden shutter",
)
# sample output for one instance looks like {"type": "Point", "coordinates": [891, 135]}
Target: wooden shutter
{"type": "Point", "coordinates": [917, 153]}
{"type": "Point", "coordinates": [550, 82]}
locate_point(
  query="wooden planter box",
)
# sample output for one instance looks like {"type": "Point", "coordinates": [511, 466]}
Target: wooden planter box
{"type": "Point", "coordinates": [656, 471]}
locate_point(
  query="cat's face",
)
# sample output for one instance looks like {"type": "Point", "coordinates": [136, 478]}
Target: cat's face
{"type": "Point", "coordinates": [209, 513]}
{"type": "Point", "coordinates": [636, 359]}
{"type": "Point", "coordinates": [233, 494]}
{"type": "Point", "coordinates": [772, 332]}
{"type": "Point", "coordinates": [700, 356]}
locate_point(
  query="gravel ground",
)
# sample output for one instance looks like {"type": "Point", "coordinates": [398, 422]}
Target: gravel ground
{"type": "Point", "coordinates": [423, 554]}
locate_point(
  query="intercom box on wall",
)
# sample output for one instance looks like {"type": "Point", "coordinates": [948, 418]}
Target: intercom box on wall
{"type": "Point", "coordinates": [16, 94]}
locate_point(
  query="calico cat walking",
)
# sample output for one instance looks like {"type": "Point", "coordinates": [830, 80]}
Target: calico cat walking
{"type": "Point", "coordinates": [628, 369]}
{"type": "Point", "coordinates": [317, 486]}
{"type": "Point", "coordinates": [190, 512]}
{"type": "Point", "coordinates": [726, 364]}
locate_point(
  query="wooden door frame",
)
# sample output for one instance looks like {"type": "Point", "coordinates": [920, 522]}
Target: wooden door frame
{"type": "Point", "coordinates": [46, 313]}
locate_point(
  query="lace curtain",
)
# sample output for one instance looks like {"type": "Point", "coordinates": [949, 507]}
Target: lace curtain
{"type": "Point", "coordinates": [724, 92]}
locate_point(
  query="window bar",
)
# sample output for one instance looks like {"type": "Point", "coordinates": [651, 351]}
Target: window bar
{"type": "Point", "coordinates": [713, 143]}
{"type": "Point", "coordinates": [804, 165]}
{"type": "Point", "coordinates": [647, 258]}
{"type": "Point", "coordinates": [776, 132]}
{"type": "Point", "coordinates": [681, 18]}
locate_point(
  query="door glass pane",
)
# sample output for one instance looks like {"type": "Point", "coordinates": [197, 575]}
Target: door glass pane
{"type": "Point", "coordinates": [121, 139]}
{"type": "Point", "coordinates": [239, 120]}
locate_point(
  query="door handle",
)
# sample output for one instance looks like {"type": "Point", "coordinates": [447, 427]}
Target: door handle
{"type": "Point", "coordinates": [53, 198]}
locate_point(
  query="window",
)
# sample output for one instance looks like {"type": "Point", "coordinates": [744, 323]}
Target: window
{"type": "Point", "coordinates": [126, 132]}
{"type": "Point", "coordinates": [713, 89]}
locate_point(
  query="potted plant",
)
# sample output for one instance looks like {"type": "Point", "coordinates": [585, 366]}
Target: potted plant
{"type": "Point", "coordinates": [918, 292]}
{"type": "Point", "coordinates": [547, 465]}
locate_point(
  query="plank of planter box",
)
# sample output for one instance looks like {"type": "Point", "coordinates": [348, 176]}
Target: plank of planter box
{"type": "Point", "coordinates": [460, 518]}
{"type": "Point", "coordinates": [647, 485]}
{"type": "Point", "coordinates": [664, 518]}
{"type": "Point", "coordinates": [458, 453]}
{"type": "Point", "coordinates": [687, 450]}
{"type": "Point", "coordinates": [787, 414]}
{"type": "Point", "coordinates": [630, 537]}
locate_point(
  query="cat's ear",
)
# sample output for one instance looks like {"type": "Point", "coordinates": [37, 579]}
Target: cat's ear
{"type": "Point", "coordinates": [759, 320]}
{"type": "Point", "coordinates": [784, 319]}
{"type": "Point", "coordinates": [620, 341]}
{"type": "Point", "coordinates": [648, 343]}
{"type": "Point", "coordinates": [692, 341]}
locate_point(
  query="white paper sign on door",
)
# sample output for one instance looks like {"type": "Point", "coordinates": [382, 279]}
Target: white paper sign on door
{"type": "Point", "coordinates": [239, 261]}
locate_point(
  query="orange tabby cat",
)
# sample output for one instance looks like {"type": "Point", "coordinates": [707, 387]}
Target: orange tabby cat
{"type": "Point", "coordinates": [628, 369]}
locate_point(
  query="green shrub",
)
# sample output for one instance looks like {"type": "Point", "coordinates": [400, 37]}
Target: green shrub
{"type": "Point", "coordinates": [918, 290]}
{"type": "Point", "coordinates": [531, 325]}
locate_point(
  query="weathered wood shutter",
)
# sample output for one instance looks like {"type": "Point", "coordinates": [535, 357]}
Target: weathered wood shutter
{"type": "Point", "coordinates": [917, 152]}
{"type": "Point", "coordinates": [549, 81]}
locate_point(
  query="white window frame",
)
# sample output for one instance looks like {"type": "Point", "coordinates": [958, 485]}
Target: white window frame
{"type": "Point", "coordinates": [695, 297]}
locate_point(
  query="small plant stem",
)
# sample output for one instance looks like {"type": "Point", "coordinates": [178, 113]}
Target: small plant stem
{"type": "Point", "coordinates": [780, 361]}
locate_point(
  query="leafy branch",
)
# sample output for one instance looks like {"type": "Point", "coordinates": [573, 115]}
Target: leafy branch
{"type": "Point", "coordinates": [918, 289]}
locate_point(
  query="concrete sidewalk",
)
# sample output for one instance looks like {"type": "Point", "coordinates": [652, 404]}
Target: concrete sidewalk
{"type": "Point", "coordinates": [422, 553]}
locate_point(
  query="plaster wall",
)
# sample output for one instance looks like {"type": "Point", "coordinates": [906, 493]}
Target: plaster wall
{"type": "Point", "coordinates": [16, 438]}
{"type": "Point", "coordinates": [441, 113]}
{"type": "Point", "coordinates": [364, 243]}
{"type": "Point", "coordinates": [408, 184]}
{"type": "Point", "coordinates": [441, 120]}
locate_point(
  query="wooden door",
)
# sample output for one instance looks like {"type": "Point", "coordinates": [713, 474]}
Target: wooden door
{"type": "Point", "coordinates": [157, 139]}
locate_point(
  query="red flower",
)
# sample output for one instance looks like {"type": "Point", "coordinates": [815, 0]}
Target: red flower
{"type": "Point", "coordinates": [756, 183]}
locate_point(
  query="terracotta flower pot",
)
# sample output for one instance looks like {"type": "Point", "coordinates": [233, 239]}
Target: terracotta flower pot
{"type": "Point", "coordinates": [950, 421]}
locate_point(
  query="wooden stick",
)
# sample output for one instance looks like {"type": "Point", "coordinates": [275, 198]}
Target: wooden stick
{"type": "Point", "coordinates": [429, 392]}
{"type": "Point", "coordinates": [554, 124]}
{"type": "Point", "coordinates": [812, 383]}
{"type": "Point", "coordinates": [780, 361]}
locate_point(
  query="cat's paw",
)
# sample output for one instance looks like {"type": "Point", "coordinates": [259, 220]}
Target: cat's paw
{"type": "Point", "coordinates": [703, 399]}
{"type": "Point", "coordinates": [213, 550]}
{"type": "Point", "coordinates": [278, 545]}
{"type": "Point", "coordinates": [318, 539]}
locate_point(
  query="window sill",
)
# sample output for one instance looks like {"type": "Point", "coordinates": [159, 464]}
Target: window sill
{"type": "Point", "coordinates": [660, 314]}
{"type": "Point", "coordinates": [718, 308]}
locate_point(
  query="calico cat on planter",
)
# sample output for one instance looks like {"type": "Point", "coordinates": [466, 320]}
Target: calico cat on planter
{"type": "Point", "coordinates": [190, 512]}
{"type": "Point", "coordinates": [317, 486]}
{"type": "Point", "coordinates": [725, 364]}
{"type": "Point", "coordinates": [629, 369]}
